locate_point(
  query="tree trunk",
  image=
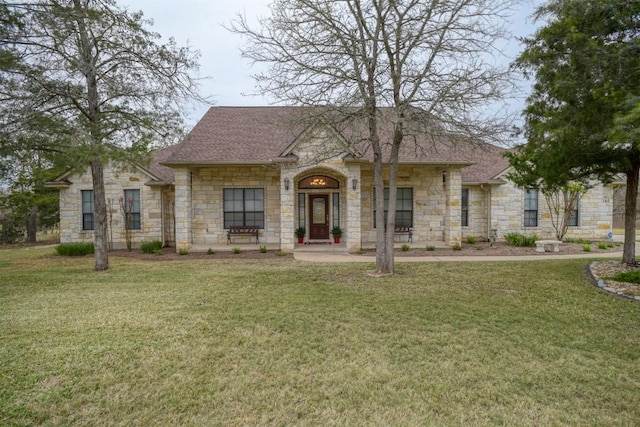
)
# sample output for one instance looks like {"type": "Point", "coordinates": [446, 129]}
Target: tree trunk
{"type": "Point", "coordinates": [32, 225]}
{"type": "Point", "coordinates": [88, 68]}
{"type": "Point", "coordinates": [100, 233]}
{"type": "Point", "coordinates": [629, 253]}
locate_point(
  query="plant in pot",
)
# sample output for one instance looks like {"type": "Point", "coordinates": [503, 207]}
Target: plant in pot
{"type": "Point", "coordinates": [300, 232]}
{"type": "Point", "coordinates": [336, 232]}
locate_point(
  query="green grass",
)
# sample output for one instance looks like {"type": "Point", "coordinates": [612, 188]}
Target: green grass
{"type": "Point", "coordinates": [281, 342]}
{"type": "Point", "coordinates": [628, 276]}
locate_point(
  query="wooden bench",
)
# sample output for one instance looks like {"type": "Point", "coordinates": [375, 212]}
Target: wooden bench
{"type": "Point", "coordinates": [543, 245]}
{"type": "Point", "coordinates": [243, 231]}
{"type": "Point", "coordinates": [402, 229]}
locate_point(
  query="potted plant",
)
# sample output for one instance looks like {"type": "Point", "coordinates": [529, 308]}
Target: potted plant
{"type": "Point", "coordinates": [336, 232]}
{"type": "Point", "coordinates": [300, 232]}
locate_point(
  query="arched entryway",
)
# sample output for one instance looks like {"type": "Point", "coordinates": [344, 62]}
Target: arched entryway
{"type": "Point", "coordinates": [319, 205]}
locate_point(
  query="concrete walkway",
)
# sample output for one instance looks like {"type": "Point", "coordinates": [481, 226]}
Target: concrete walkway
{"type": "Point", "coordinates": [326, 256]}
{"type": "Point", "coordinates": [345, 257]}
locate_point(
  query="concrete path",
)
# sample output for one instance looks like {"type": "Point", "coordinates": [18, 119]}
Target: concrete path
{"type": "Point", "coordinates": [345, 257]}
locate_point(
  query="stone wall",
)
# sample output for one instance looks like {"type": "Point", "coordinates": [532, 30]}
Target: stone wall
{"type": "Point", "coordinates": [116, 181]}
{"type": "Point", "coordinates": [207, 203]}
{"type": "Point", "coordinates": [429, 202]}
{"type": "Point", "coordinates": [595, 213]}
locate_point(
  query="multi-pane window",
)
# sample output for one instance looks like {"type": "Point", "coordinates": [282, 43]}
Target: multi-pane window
{"type": "Point", "coordinates": [132, 209]}
{"type": "Point", "coordinates": [465, 207]}
{"type": "Point", "coordinates": [573, 220]}
{"type": "Point", "coordinates": [404, 207]}
{"type": "Point", "coordinates": [531, 208]}
{"type": "Point", "coordinates": [87, 209]}
{"type": "Point", "coordinates": [243, 207]}
{"type": "Point", "coordinates": [336, 209]}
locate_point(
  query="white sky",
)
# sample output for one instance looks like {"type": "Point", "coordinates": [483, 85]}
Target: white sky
{"type": "Point", "coordinates": [199, 23]}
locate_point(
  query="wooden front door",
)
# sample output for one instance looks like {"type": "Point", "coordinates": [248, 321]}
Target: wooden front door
{"type": "Point", "coordinates": [319, 216]}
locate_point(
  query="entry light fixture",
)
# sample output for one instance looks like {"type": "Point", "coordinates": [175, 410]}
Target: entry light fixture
{"type": "Point", "coordinates": [354, 183]}
{"type": "Point", "coordinates": [286, 183]}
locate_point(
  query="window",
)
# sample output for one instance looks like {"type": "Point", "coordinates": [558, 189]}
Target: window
{"type": "Point", "coordinates": [573, 220]}
{"type": "Point", "coordinates": [301, 209]}
{"type": "Point", "coordinates": [531, 208]}
{"type": "Point", "coordinates": [465, 207]}
{"type": "Point", "coordinates": [336, 209]}
{"type": "Point", "coordinates": [132, 208]}
{"type": "Point", "coordinates": [243, 207]}
{"type": "Point", "coordinates": [87, 209]}
{"type": "Point", "coordinates": [404, 207]}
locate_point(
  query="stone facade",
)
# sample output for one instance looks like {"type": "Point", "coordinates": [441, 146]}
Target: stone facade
{"type": "Point", "coordinates": [116, 181]}
{"type": "Point", "coordinates": [506, 213]}
{"type": "Point", "coordinates": [189, 211]}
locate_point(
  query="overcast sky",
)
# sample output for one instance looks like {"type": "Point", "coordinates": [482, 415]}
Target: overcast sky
{"type": "Point", "coordinates": [199, 23]}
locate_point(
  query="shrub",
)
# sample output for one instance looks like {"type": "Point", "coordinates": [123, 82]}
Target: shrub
{"type": "Point", "coordinates": [75, 249]}
{"type": "Point", "coordinates": [150, 247]}
{"type": "Point", "coordinates": [263, 249]}
{"type": "Point", "coordinates": [183, 251]}
{"type": "Point", "coordinates": [632, 276]}
{"type": "Point", "coordinates": [235, 250]}
{"type": "Point", "coordinates": [431, 248]}
{"type": "Point", "coordinates": [457, 247]}
{"type": "Point", "coordinates": [576, 240]}
{"type": "Point", "coordinates": [602, 245]}
{"type": "Point", "coordinates": [405, 248]}
{"type": "Point", "coordinates": [609, 245]}
{"type": "Point", "coordinates": [586, 248]}
{"type": "Point", "coordinates": [210, 251]}
{"type": "Point", "coordinates": [517, 239]}
{"type": "Point", "coordinates": [158, 252]}
{"type": "Point", "coordinates": [471, 240]}
{"type": "Point", "coordinates": [281, 253]}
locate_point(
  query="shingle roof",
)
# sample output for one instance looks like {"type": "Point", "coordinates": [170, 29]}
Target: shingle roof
{"type": "Point", "coordinates": [244, 135]}
{"type": "Point", "coordinates": [164, 173]}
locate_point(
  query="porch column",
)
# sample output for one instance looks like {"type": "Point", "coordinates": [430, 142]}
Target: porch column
{"type": "Point", "coordinates": [354, 211]}
{"type": "Point", "coordinates": [453, 198]}
{"type": "Point", "coordinates": [183, 208]}
{"type": "Point", "coordinates": [287, 211]}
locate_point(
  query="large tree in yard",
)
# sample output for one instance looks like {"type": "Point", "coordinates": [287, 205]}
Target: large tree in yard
{"type": "Point", "coordinates": [95, 78]}
{"type": "Point", "coordinates": [428, 63]}
{"type": "Point", "coordinates": [582, 115]}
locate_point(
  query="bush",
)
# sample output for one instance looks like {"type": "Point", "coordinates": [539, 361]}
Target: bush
{"type": "Point", "coordinates": [576, 240]}
{"type": "Point", "coordinates": [150, 247]}
{"type": "Point", "coordinates": [457, 247]}
{"type": "Point", "coordinates": [405, 248]}
{"type": "Point", "coordinates": [75, 249]}
{"type": "Point", "coordinates": [210, 251]}
{"type": "Point", "coordinates": [431, 248]}
{"type": "Point", "coordinates": [263, 249]}
{"type": "Point", "coordinates": [517, 239]}
{"type": "Point", "coordinates": [183, 251]}
{"type": "Point", "coordinates": [281, 253]}
{"type": "Point", "coordinates": [471, 240]}
{"type": "Point", "coordinates": [235, 250]}
{"type": "Point", "coordinates": [632, 276]}
{"type": "Point", "coordinates": [602, 246]}
{"type": "Point", "coordinates": [586, 248]}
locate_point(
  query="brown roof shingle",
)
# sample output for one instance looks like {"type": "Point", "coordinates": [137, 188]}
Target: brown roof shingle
{"type": "Point", "coordinates": [244, 135]}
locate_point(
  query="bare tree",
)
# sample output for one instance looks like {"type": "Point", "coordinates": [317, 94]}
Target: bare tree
{"type": "Point", "coordinates": [97, 68]}
{"type": "Point", "coordinates": [427, 61]}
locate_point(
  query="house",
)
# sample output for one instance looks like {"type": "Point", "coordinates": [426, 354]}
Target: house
{"type": "Point", "coordinates": [275, 169]}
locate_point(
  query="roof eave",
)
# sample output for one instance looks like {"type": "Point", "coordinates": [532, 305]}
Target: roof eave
{"type": "Point", "coordinates": [183, 163]}
{"type": "Point", "coordinates": [57, 184]}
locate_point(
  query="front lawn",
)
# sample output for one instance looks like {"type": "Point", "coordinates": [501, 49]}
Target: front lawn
{"type": "Point", "coordinates": [281, 342]}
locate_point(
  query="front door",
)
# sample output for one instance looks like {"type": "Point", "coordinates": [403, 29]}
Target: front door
{"type": "Point", "coordinates": [319, 214]}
